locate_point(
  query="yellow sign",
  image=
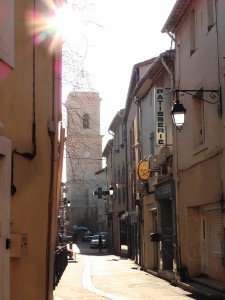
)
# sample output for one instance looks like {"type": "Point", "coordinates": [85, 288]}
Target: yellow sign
{"type": "Point", "coordinates": [143, 170]}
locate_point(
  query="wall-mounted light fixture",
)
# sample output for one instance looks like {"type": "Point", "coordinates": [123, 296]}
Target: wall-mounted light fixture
{"type": "Point", "coordinates": [178, 111]}
{"type": "Point", "coordinates": [101, 193]}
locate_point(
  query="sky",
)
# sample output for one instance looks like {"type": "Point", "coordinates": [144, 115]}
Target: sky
{"type": "Point", "coordinates": [107, 39]}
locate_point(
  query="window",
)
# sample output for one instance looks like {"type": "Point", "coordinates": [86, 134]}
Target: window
{"type": "Point", "coordinates": [198, 120]}
{"type": "Point", "coordinates": [86, 121]}
{"type": "Point", "coordinates": [117, 140]}
{"type": "Point", "coordinates": [215, 232]}
{"type": "Point", "coordinates": [132, 152]}
{"type": "Point", "coordinates": [123, 182]}
{"type": "Point", "coordinates": [119, 190]}
{"type": "Point", "coordinates": [152, 143]}
{"type": "Point", "coordinates": [210, 14]}
{"type": "Point", "coordinates": [7, 31]}
{"type": "Point", "coordinates": [192, 32]}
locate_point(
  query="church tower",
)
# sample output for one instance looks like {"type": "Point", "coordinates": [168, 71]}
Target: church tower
{"type": "Point", "coordinates": [83, 157]}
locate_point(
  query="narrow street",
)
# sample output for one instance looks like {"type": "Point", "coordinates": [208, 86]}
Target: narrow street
{"type": "Point", "coordinates": [94, 275]}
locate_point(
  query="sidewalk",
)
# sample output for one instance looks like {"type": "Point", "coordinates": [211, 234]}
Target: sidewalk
{"type": "Point", "coordinates": [97, 276]}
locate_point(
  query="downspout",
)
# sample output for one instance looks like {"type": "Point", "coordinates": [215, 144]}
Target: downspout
{"type": "Point", "coordinates": [177, 255]}
{"type": "Point", "coordinates": [127, 192]}
{"type": "Point", "coordinates": [141, 229]}
{"type": "Point", "coordinates": [56, 172]}
{"type": "Point", "coordinates": [172, 38]}
{"type": "Point", "coordinates": [170, 73]}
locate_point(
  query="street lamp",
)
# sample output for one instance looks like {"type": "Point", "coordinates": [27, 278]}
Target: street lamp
{"type": "Point", "coordinates": [178, 111]}
{"type": "Point", "coordinates": [178, 114]}
{"type": "Point", "coordinates": [111, 190]}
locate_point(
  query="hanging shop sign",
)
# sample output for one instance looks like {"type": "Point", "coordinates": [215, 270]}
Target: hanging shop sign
{"type": "Point", "coordinates": [159, 116]}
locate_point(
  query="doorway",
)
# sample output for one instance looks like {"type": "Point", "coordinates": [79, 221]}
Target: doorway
{"type": "Point", "coordinates": [155, 245]}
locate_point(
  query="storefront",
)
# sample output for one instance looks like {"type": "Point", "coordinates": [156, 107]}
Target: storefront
{"type": "Point", "coordinates": [165, 196]}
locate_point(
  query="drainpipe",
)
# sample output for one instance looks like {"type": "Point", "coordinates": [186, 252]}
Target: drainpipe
{"type": "Point", "coordinates": [56, 173]}
{"type": "Point", "coordinates": [177, 263]}
{"type": "Point", "coordinates": [170, 73]}
{"type": "Point", "coordinates": [172, 38]}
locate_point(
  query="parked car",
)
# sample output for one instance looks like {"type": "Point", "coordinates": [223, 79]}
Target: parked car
{"type": "Point", "coordinates": [87, 238]}
{"type": "Point", "coordinates": [63, 238]}
{"type": "Point", "coordinates": [95, 241]}
{"type": "Point", "coordinates": [105, 234]}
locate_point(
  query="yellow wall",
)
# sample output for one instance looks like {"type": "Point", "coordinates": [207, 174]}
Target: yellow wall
{"type": "Point", "coordinates": [32, 178]}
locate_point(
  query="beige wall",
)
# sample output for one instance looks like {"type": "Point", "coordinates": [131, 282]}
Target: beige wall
{"type": "Point", "coordinates": [199, 166]}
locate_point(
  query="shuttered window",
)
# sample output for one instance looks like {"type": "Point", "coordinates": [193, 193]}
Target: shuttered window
{"type": "Point", "coordinates": [215, 231]}
{"type": "Point", "coordinates": [7, 31]}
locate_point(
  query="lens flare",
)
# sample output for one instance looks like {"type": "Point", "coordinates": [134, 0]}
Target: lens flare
{"type": "Point", "coordinates": [50, 25]}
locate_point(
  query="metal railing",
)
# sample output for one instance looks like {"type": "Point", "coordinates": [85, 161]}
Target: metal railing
{"type": "Point", "coordinates": [60, 263]}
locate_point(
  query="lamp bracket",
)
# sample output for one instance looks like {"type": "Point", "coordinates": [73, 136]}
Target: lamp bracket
{"type": "Point", "coordinates": [214, 95]}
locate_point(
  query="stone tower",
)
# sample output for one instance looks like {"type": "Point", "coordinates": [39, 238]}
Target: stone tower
{"type": "Point", "coordinates": [83, 157]}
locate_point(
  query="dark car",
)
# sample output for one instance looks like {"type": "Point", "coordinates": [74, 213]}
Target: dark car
{"type": "Point", "coordinates": [95, 241]}
{"type": "Point", "coordinates": [87, 238]}
{"type": "Point", "coordinates": [63, 238]}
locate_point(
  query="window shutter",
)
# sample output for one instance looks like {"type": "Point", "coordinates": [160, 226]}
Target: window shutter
{"type": "Point", "coordinates": [215, 225]}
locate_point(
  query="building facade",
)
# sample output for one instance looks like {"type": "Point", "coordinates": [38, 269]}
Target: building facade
{"type": "Point", "coordinates": [197, 28]}
{"type": "Point", "coordinates": [31, 151]}
{"type": "Point", "coordinates": [116, 169]}
{"type": "Point", "coordinates": [176, 217]}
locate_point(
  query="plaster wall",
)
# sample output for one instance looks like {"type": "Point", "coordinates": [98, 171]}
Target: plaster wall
{"type": "Point", "coordinates": [204, 190]}
{"type": "Point", "coordinates": [194, 72]}
{"type": "Point", "coordinates": [29, 205]}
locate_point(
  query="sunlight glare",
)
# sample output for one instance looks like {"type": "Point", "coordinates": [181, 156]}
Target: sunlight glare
{"type": "Point", "coordinates": [52, 26]}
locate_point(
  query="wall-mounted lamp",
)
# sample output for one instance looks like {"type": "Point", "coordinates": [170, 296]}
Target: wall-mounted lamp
{"type": "Point", "coordinates": [66, 202]}
{"type": "Point", "coordinates": [101, 193]}
{"type": "Point", "coordinates": [111, 190]}
{"type": "Point", "coordinates": [178, 111]}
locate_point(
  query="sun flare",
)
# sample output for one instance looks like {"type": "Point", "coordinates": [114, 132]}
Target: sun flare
{"type": "Point", "coordinates": [52, 24]}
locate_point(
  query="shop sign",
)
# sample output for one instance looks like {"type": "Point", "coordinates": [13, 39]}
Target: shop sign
{"type": "Point", "coordinates": [164, 190]}
{"type": "Point", "coordinates": [159, 117]}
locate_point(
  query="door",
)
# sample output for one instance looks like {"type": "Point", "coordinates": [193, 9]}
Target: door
{"type": "Point", "coordinates": [5, 198]}
{"type": "Point", "coordinates": [155, 245]}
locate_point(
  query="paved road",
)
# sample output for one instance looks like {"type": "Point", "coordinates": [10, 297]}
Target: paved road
{"type": "Point", "coordinates": [95, 276]}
